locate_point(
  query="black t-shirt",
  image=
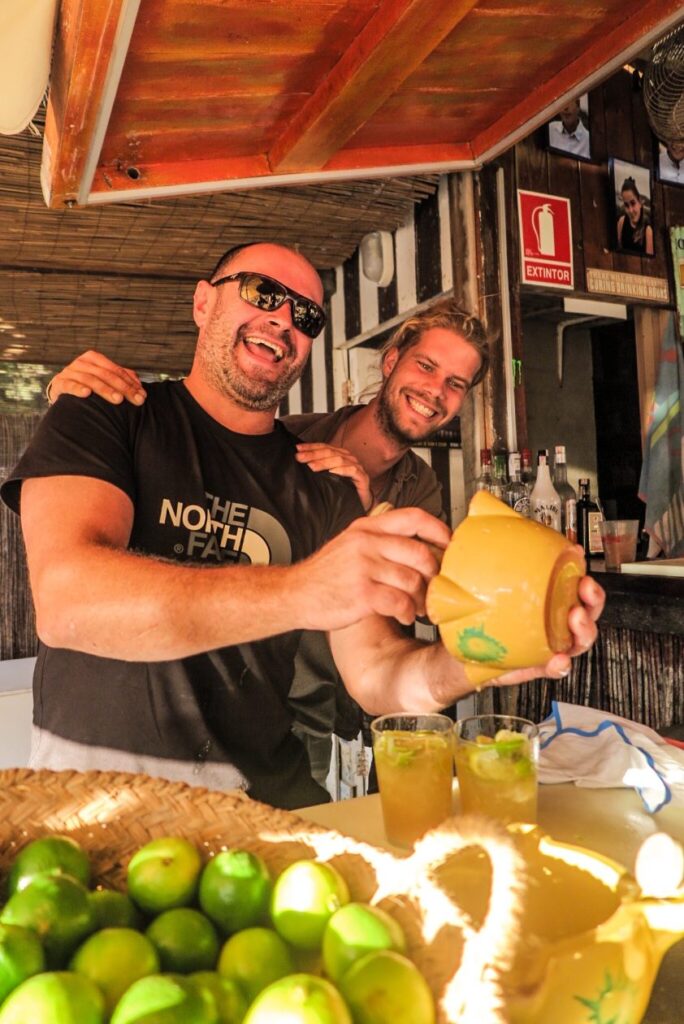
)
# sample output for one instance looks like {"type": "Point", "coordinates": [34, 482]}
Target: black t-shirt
{"type": "Point", "coordinates": [203, 494]}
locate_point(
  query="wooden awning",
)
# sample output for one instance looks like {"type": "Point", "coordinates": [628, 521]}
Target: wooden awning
{"type": "Point", "coordinates": [154, 98]}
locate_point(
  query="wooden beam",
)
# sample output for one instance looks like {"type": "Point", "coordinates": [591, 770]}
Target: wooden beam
{"type": "Point", "coordinates": [395, 42]}
{"type": "Point", "coordinates": [183, 177]}
{"type": "Point", "coordinates": [86, 33]}
{"type": "Point", "coordinates": [182, 173]}
{"type": "Point", "coordinates": [444, 156]}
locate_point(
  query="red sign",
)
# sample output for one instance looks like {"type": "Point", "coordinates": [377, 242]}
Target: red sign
{"type": "Point", "coordinates": [545, 239]}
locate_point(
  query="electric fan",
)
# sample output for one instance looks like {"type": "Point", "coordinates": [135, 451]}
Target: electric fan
{"type": "Point", "coordinates": [663, 87]}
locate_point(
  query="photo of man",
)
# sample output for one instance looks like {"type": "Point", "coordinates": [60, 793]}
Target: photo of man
{"type": "Point", "coordinates": [671, 162]}
{"type": "Point", "coordinates": [569, 133]}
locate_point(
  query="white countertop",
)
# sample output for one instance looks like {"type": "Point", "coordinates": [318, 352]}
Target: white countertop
{"type": "Point", "coordinates": [611, 821]}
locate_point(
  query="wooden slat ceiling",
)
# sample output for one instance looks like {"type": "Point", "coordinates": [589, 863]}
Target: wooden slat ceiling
{"type": "Point", "coordinates": [121, 277]}
{"type": "Point", "coordinates": [153, 98]}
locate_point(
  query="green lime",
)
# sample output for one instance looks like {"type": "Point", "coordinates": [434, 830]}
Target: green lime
{"type": "Point", "coordinates": [185, 940]}
{"type": "Point", "coordinates": [165, 999]}
{"type": "Point", "coordinates": [230, 1001]}
{"type": "Point", "coordinates": [387, 988]}
{"type": "Point", "coordinates": [113, 959]}
{"type": "Point", "coordinates": [253, 958]}
{"type": "Point", "coordinates": [163, 874]}
{"type": "Point", "coordinates": [355, 930]}
{"type": "Point", "coordinates": [115, 910]}
{"type": "Point", "coordinates": [305, 897]}
{"type": "Point", "coordinates": [56, 997]}
{"type": "Point", "coordinates": [59, 855]}
{"type": "Point", "coordinates": [21, 955]}
{"type": "Point", "coordinates": [234, 890]}
{"type": "Point", "coordinates": [299, 999]}
{"type": "Point", "coordinates": [58, 909]}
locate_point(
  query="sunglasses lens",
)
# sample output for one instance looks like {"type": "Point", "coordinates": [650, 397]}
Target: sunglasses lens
{"type": "Point", "coordinates": [308, 317]}
{"type": "Point", "coordinates": [262, 292]}
{"type": "Point", "coordinates": [265, 293]}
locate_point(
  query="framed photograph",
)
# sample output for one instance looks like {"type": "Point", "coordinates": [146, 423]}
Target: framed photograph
{"type": "Point", "coordinates": [669, 162]}
{"type": "Point", "coordinates": [631, 191]}
{"type": "Point", "coordinates": [569, 131]}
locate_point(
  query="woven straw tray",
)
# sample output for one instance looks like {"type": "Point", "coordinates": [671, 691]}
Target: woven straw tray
{"type": "Point", "coordinates": [112, 814]}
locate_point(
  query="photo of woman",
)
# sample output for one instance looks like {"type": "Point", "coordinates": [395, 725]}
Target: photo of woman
{"type": "Point", "coordinates": [632, 191]}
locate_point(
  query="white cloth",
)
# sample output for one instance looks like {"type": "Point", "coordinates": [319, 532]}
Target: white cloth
{"type": "Point", "coordinates": [594, 749]}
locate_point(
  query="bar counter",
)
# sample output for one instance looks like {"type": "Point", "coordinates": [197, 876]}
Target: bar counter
{"type": "Point", "coordinates": [654, 604]}
{"type": "Point", "coordinates": [610, 821]}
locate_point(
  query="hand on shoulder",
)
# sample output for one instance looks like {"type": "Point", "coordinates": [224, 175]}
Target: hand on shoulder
{"type": "Point", "coordinates": [93, 373]}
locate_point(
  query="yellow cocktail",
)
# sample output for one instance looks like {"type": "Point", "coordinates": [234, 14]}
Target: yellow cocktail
{"type": "Point", "coordinates": [496, 764]}
{"type": "Point", "coordinates": [414, 762]}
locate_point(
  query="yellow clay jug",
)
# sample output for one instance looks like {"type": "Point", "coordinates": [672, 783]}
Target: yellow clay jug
{"type": "Point", "coordinates": [504, 590]}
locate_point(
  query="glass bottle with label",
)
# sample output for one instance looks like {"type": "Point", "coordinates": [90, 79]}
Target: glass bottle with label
{"type": "Point", "coordinates": [516, 494]}
{"type": "Point", "coordinates": [589, 519]}
{"type": "Point", "coordinates": [526, 471]}
{"type": "Point", "coordinates": [499, 478]}
{"type": "Point", "coordinates": [544, 500]}
{"type": "Point", "coordinates": [567, 492]}
{"type": "Point", "coordinates": [484, 480]}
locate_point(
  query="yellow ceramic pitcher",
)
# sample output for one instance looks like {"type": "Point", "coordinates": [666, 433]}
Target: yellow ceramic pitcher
{"type": "Point", "coordinates": [504, 590]}
{"type": "Point", "coordinates": [591, 941]}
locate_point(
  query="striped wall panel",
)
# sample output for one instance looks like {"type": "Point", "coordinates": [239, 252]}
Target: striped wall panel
{"type": "Point", "coordinates": [358, 308]}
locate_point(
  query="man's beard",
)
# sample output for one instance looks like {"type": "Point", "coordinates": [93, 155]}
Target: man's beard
{"type": "Point", "coordinates": [248, 391]}
{"type": "Point", "coordinates": [390, 426]}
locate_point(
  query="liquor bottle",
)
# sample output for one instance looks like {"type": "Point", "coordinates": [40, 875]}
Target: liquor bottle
{"type": "Point", "coordinates": [484, 480]}
{"type": "Point", "coordinates": [589, 519]}
{"type": "Point", "coordinates": [568, 494]}
{"type": "Point", "coordinates": [544, 500]}
{"type": "Point", "coordinates": [516, 494]}
{"type": "Point", "coordinates": [526, 472]}
{"type": "Point", "coordinates": [499, 479]}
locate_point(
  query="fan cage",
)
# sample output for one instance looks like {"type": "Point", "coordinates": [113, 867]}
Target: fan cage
{"type": "Point", "coordinates": [663, 88]}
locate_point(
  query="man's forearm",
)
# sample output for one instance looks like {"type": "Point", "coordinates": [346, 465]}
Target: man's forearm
{"type": "Point", "coordinates": [117, 604]}
{"type": "Point", "coordinates": [386, 671]}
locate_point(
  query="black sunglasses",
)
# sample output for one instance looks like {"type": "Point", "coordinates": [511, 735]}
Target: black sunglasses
{"type": "Point", "coordinates": [266, 293]}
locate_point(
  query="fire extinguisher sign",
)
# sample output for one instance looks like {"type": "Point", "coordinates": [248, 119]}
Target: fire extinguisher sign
{"type": "Point", "coordinates": [545, 240]}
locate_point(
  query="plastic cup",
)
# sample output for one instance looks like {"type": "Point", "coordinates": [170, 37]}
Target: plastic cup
{"type": "Point", "coordinates": [497, 758]}
{"type": "Point", "coordinates": [414, 761]}
{"type": "Point", "coordinates": [619, 538]}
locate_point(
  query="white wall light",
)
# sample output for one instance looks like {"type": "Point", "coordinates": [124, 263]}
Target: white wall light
{"type": "Point", "coordinates": [377, 257]}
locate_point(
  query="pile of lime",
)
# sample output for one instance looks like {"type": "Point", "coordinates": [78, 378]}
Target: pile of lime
{"type": "Point", "coordinates": [500, 758]}
{"type": "Point", "coordinates": [193, 943]}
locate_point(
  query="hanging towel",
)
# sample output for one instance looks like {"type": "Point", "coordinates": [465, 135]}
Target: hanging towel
{"type": "Point", "coordinates": [595, 749]}
{"type": "Point", "coordinates": [662, 474]}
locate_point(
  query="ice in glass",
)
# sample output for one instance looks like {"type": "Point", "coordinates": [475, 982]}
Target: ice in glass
{"type": "Point", "coordinates": [414, 763]}
{"type": "Point", "coordinates": [496, 764]}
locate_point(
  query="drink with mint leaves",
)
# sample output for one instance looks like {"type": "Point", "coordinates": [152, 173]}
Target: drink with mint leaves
{"type": "Point", "coordinates": [496, 764]}
{"type": "Point", "coordinates": [414, 762]}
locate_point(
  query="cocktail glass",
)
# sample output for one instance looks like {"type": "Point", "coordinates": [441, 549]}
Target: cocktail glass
{"type": "Point", "coordinates": [414, 762]}
{"type": "Point", "coordinates": [496, 763]}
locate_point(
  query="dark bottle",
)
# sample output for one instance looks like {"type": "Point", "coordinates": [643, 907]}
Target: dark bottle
{"type": "Point", "coordinates": [589, 519]}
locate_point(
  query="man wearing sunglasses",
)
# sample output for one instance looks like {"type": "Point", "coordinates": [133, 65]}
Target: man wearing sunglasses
{"type": "Point", "coordinates": [428, 365]}
{"type": "Point", "coordinates": [177, 549]}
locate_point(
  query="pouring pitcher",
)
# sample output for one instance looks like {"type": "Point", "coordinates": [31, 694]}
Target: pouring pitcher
{"type": "Point", "coordinates": [505, 588]}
